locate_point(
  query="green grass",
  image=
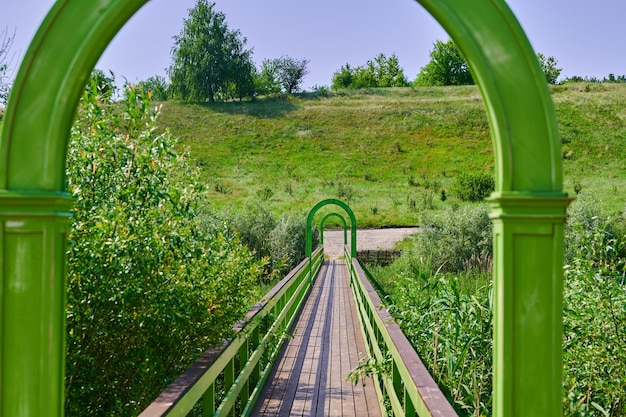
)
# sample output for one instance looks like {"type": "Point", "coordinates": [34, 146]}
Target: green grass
{"type": "Point", "coordinates": [387, 152]}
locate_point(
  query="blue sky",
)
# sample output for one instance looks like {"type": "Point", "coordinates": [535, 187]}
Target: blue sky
{"type": "Point", "coordinates": [586, 37]}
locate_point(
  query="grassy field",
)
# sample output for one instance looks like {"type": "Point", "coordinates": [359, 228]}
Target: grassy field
{"type": "Point", "coordinates": [388, 153]}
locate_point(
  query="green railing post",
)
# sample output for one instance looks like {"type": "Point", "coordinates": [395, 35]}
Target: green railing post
{"type": "Point", "coordinates": [528, 282]}
{"type": "Point", "coordinates": [208, 402]}
{"type": "Point", "coordinates": [33, 239]}
{"type": "Point", "coordinates": [243, 359]}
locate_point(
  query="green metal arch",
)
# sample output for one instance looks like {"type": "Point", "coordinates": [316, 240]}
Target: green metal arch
{"type": "Point", "coordinates": [309, 224]}
{"type": "Point", "coordinates": [345, 227]}
{"type": "Point", "coordinates": [528, 204]}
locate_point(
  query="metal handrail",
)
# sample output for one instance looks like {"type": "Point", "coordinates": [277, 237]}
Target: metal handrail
{"type": "Point", "coordinates": [407, 384]}
{"type": "Point", "coordinates": [238, 363]}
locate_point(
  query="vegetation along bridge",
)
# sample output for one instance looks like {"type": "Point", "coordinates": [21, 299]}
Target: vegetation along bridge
{"type": "Point", "coordinates": [528, 211]}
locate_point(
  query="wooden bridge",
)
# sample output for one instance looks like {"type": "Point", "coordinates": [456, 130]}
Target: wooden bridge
{"type": "Point", "coordinates": [326, 320]}
{"type": "Point", "coordinates": [311, 377]}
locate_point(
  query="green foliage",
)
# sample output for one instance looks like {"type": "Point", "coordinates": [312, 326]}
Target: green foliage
{"type": "Point", "coordinates": [381, 72]}
{"type": "Point", "coordinates": [473, 186]}
{"type": "Point", "coordinates": [549, 68]}
{"type": "Point", "coordinates": [6, 61]}
{"type": "Point", "coordinates": [448, 318]}
{"type": "Point", "coordinates": [266, 81]}
{"type": "Point", "coordinates": [288, 241]}
{"type": "Point", "coordinates": [446, 67]}
{"type": "Point", "coordinates": [456, 241]}
{"type": "Point", "coordinates": [254, 224]}
{"type": "Point", "coordinates": [594, 342]}
{"type": "Point", "coordinates": [101, 85]}
{"type": "Point", "coordinates": [156, 87]}
{"type": "Point", "coordinates": [279, 244]}
{"type": "Point", "coordinates": [209, 60]}
{"type": "Point", "coordinates": [291, 73]}
{"type": "Point", "coordinates": [148, 289]}
{"type": "Point", "coordinates": [301, 141]}
{"type": "Point", "coordinates": [284, 74]}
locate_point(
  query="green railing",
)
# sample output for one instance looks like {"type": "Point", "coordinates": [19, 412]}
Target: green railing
{"type": "Point", "coordinates": [228, 380]}
{"type": "Point", "coordinates": [405, 386]}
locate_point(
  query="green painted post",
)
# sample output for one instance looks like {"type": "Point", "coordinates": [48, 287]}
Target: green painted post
{"type": "Point", "coordinates": [208, 402]}
{"type": "Point", "coordinates": [34, 207]}
{"type": "Point", "coordinates": [32, 317]}
{"type": "Point", "coordinates": [528, 285]}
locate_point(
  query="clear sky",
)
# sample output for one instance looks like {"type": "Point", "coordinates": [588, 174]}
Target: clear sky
{"type": "Point", "coordinates": [586, 37]}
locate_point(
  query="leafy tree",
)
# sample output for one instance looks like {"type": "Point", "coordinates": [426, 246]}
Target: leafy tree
{"type": "Point", "coordinates": [209, 60]}
{"type": "Point", "coordinates": [157, 87]}
{"type": "Point", "coordinates": [284, 74]}
{"type": "Point", "coordinates": [149, 287]}
{"type": "Point", "coordinates": [266, 78]}
{"type": "Point", "coordinates": [6, 60]}
{"type": "Point", "coordinates": [549, 68]}
{"type": "Point", "coordinates": [291, 72]}
{"type": "Point", "coordinates": [381, 72]}
{"type": "Point", "coordinates": [342, 78]}
{"type": "Point", "coordinates": [446, 67]}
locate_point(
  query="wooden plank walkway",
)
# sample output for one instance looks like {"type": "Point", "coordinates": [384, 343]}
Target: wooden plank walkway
{"type": "Point", "coordinates": [309, 379]}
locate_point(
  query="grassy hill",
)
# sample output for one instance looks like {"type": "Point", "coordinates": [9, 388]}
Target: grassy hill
{"type": "Point", "coordinates": [389, 153]}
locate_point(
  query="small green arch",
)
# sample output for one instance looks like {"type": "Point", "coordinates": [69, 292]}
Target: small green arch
{"type": "Point", "coordinates": [309, 224]}
{"type": "Point", "coordinates": [343, 221]}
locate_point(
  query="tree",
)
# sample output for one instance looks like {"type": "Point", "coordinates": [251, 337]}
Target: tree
{"type": "Point", "coordinates": [156, 86]}
{"type": "Point", "coordinates": [149, 285]}
{"type": "Point", "coordinates": [381, 72]}
{"type": "Point", "coordinates": [209, 59]}
{"type": "Point", "coordinates": [291, 72]}
{"type": "Point", "coordinates": [284, 74]}
{"type": "Point", "coordinates": [266, 80]}
{"type": "Point", "coordinates": [342, 78]}
{"type": "Point", "coordinates": [549, 68]}
{"type": "Point", "coordinates": [446, 67]}
{"type": "Point", "coordinates": [6, 60]}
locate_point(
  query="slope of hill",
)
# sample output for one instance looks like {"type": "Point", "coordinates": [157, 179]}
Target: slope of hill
{"type": "Point", "coordinates": [389, 153]}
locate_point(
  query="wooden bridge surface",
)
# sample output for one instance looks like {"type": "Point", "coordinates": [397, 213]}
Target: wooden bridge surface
{"type": "Point", "coordinates": [309, 379]}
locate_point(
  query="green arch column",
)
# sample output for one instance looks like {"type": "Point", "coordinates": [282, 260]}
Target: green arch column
{"type": "Point", "coordinates": [528, 206]}
{"type": "Point", "coordinates": [345, 227]}
{"type": "Point", "coordinates": [309, 224]}
{"type": "Point", "coordinates": [34, 206]}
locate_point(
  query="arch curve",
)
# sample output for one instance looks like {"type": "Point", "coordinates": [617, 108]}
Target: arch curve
{"type": "Point", "coordinates": [343, 221]}
{"type": "Point", "coordinates": [309, 224]}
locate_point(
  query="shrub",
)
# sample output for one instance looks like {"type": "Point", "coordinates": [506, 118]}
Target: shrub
{"type": "Point", "coordinates": [473, 186]}
{"type": "Point", "coordinates": [156, 86]}
{"type": "Point", "coordinates": [287, 241]}
{"type": "Point", "coordinates": [279, 244]}
{"type": "Point", "coordinates": [448, 318]}
{"type": "Point", "coordinates": [148, 289]}
{"type": "Point", "coordinates": [457, 241]}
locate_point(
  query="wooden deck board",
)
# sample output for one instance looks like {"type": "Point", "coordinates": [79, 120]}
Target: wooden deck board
{"type": "Point", "coordinates": [309, 379]}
